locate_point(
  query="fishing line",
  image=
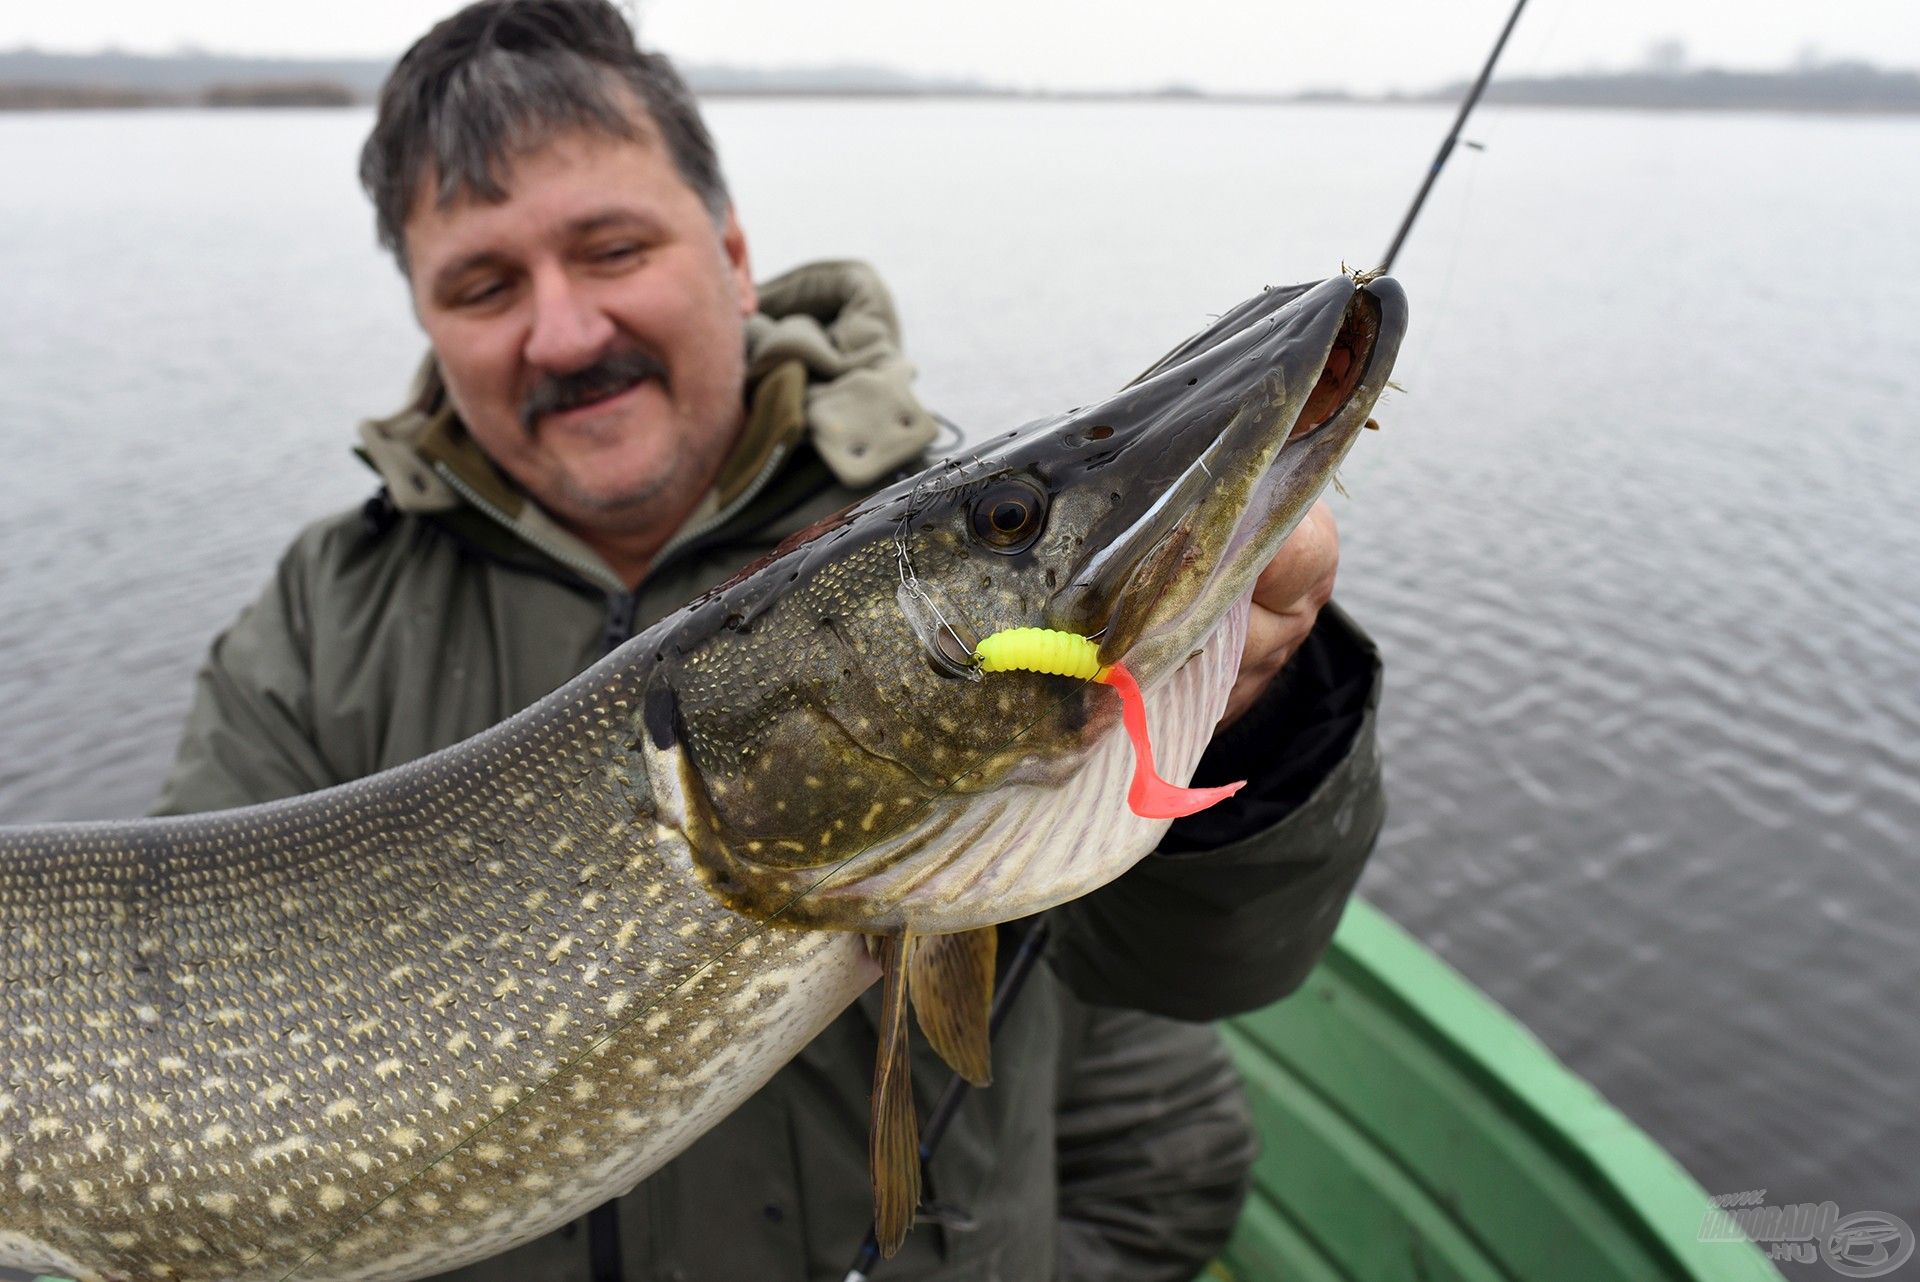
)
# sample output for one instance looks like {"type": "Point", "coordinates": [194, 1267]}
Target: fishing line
{"type": "Point", "coordinates": [592, 1047]}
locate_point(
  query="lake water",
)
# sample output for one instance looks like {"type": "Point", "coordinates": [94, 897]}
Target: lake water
{"type": "Point", "coordinates": [1639, 537]}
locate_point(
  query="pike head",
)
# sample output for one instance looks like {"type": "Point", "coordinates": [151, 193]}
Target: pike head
{"type": "Point", "coordinates": [817, 727]}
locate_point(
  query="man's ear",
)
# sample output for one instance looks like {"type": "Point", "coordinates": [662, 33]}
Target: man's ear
{"type": "Point", "coordinates": [733, 238]}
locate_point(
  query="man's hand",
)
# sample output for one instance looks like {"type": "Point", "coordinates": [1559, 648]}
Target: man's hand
{"type": "Point", "coordinates": [1286, 600]}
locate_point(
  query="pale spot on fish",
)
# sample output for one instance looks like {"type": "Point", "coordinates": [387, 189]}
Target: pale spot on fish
{"type": "Point", "coordinates": [280, 1148]}
{"type": "Point", "coordinates": [81, 1191]}
{"type": "Point", "coordinates": [332, 1197]}
{"type": "Point", "coordinates": [123, 1240]}
{"type": "Point", "coordinates": [219, 1203]}
{"type": "Point", "coordinates": [387, 1068]}
{"type": "Point", "coordinates": [473, 1203]}
{"type": "Point", "coordinates": [583, 1090]}
{"type": "Point", "coordinates": [490, 1152]}
{"type": "Point", "coordinates": [405, 1138]}
{"type": "Point", "coordinates": [873, 813]}
{"type": "Point", "coordinates": [279, 1204]}
{"type": "Point", "coordinates": [44, 1127]}
{"type": "Point", "coordinates": [216, 1133]}
{"type": "Point", "coordinates": [340, 1108]}
{"type": "Point", "coordinates": [96, 1142]}
{"type": "Point", "coordinates": [459, 1043]}
{"type": "Point", "coordinates": [275, 1093]}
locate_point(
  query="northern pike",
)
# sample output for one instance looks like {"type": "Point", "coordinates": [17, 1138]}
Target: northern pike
{"type": "Point", "coordinates": [383, 1030]}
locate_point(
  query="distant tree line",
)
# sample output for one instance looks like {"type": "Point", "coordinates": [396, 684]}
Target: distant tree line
{"type": "Point", "coordinates": [1838, 87]}
{"type": "Point", "coordinates": [30, 78]}
{"type": "Point", "coordinates": [263, 93]}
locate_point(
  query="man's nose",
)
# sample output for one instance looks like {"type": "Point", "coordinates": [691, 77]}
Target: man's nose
{"type": "Point", "coordinates": [569, 330]}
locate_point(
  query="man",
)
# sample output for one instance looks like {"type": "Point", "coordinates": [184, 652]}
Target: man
{"type": "Point", "coordinates": [613, 418]}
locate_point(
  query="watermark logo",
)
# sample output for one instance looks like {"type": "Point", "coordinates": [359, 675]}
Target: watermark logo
{"type": "Point", "coordinates": [1865, 1244]}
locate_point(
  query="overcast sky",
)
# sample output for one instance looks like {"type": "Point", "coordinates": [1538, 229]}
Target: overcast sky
{"type": "Point", "coordinates": [1212, 44]}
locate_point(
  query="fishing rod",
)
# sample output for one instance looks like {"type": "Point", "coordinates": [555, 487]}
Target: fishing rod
{"type": "Point", "coordinates": [1453, 137]}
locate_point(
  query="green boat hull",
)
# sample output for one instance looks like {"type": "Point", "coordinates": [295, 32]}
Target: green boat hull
{"type": "Point", "coordinates": [1411, 1129]}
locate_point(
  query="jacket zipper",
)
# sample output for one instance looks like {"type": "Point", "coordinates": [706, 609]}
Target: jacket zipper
{"type": "Point", "coordinates": [621, 604]}
{"type": "Point", "coordinates": [725, 514]}
{"type": "Point", "coordinates": [620, 611]}
{"type": "Point", "coordinates": [592, 571]}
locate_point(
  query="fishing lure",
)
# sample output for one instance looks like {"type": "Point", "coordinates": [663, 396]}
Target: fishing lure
{"type": "Point", "coordinates": [1067, 654]}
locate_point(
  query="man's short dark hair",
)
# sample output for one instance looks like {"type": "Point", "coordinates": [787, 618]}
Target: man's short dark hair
{"type": "Point", "coordinates": [501, 77]}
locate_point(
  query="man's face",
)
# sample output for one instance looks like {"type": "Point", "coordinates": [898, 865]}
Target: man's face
{"type": "Point", "coordinates": [589, 327]}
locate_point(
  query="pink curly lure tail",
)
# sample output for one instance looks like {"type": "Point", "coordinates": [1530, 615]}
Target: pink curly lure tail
{"type": "Point", "coordinates": [1150, 796]}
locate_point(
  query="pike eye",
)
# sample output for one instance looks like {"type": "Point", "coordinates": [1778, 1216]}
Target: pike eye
{"type": "Point", "coordinates": [1008, 516]}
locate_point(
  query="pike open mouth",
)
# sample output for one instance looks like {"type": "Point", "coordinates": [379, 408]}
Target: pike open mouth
{"type": "Point", "coordinates": [1249, 486]}
{"type": "Point", "coordinates": [1345, 368]}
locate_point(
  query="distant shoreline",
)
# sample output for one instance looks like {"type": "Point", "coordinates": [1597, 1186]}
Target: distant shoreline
{"type": "Point", "coordinates": [35, 81]}
{"type": "Point", "coordinates": [99, 99]}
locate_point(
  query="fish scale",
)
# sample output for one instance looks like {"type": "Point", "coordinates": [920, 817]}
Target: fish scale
{"type": "Point", "coordinates": [376, 1020]}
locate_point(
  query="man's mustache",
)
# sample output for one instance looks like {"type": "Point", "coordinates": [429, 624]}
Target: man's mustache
{"type": "Point", "coordinates": [614, 372]}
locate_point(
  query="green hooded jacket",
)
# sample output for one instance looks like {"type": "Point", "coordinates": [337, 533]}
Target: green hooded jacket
{"type": "Point", "coordinates": [1114, 1143]}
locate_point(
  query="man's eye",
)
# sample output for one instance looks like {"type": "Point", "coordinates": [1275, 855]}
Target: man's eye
{"type": "Point", "coordinates": [616, 253]}
{"type": "Point", "coordinates": [476, 295]}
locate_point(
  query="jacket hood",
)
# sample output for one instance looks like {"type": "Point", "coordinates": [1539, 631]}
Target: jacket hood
{"type": "Point", "coordinates": [824, 368]}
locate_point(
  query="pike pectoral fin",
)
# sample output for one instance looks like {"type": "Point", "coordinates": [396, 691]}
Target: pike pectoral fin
{"type": "Point", "coordinates": [893, 1144]}
{"type": "Point", "coordinates": [951, 983]}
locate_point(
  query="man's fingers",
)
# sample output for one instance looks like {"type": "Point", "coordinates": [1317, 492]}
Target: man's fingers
{"type": "Point", "coordinates": [1286, 600]}
{"type": "Point", "coordinates": [1301, 576]}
